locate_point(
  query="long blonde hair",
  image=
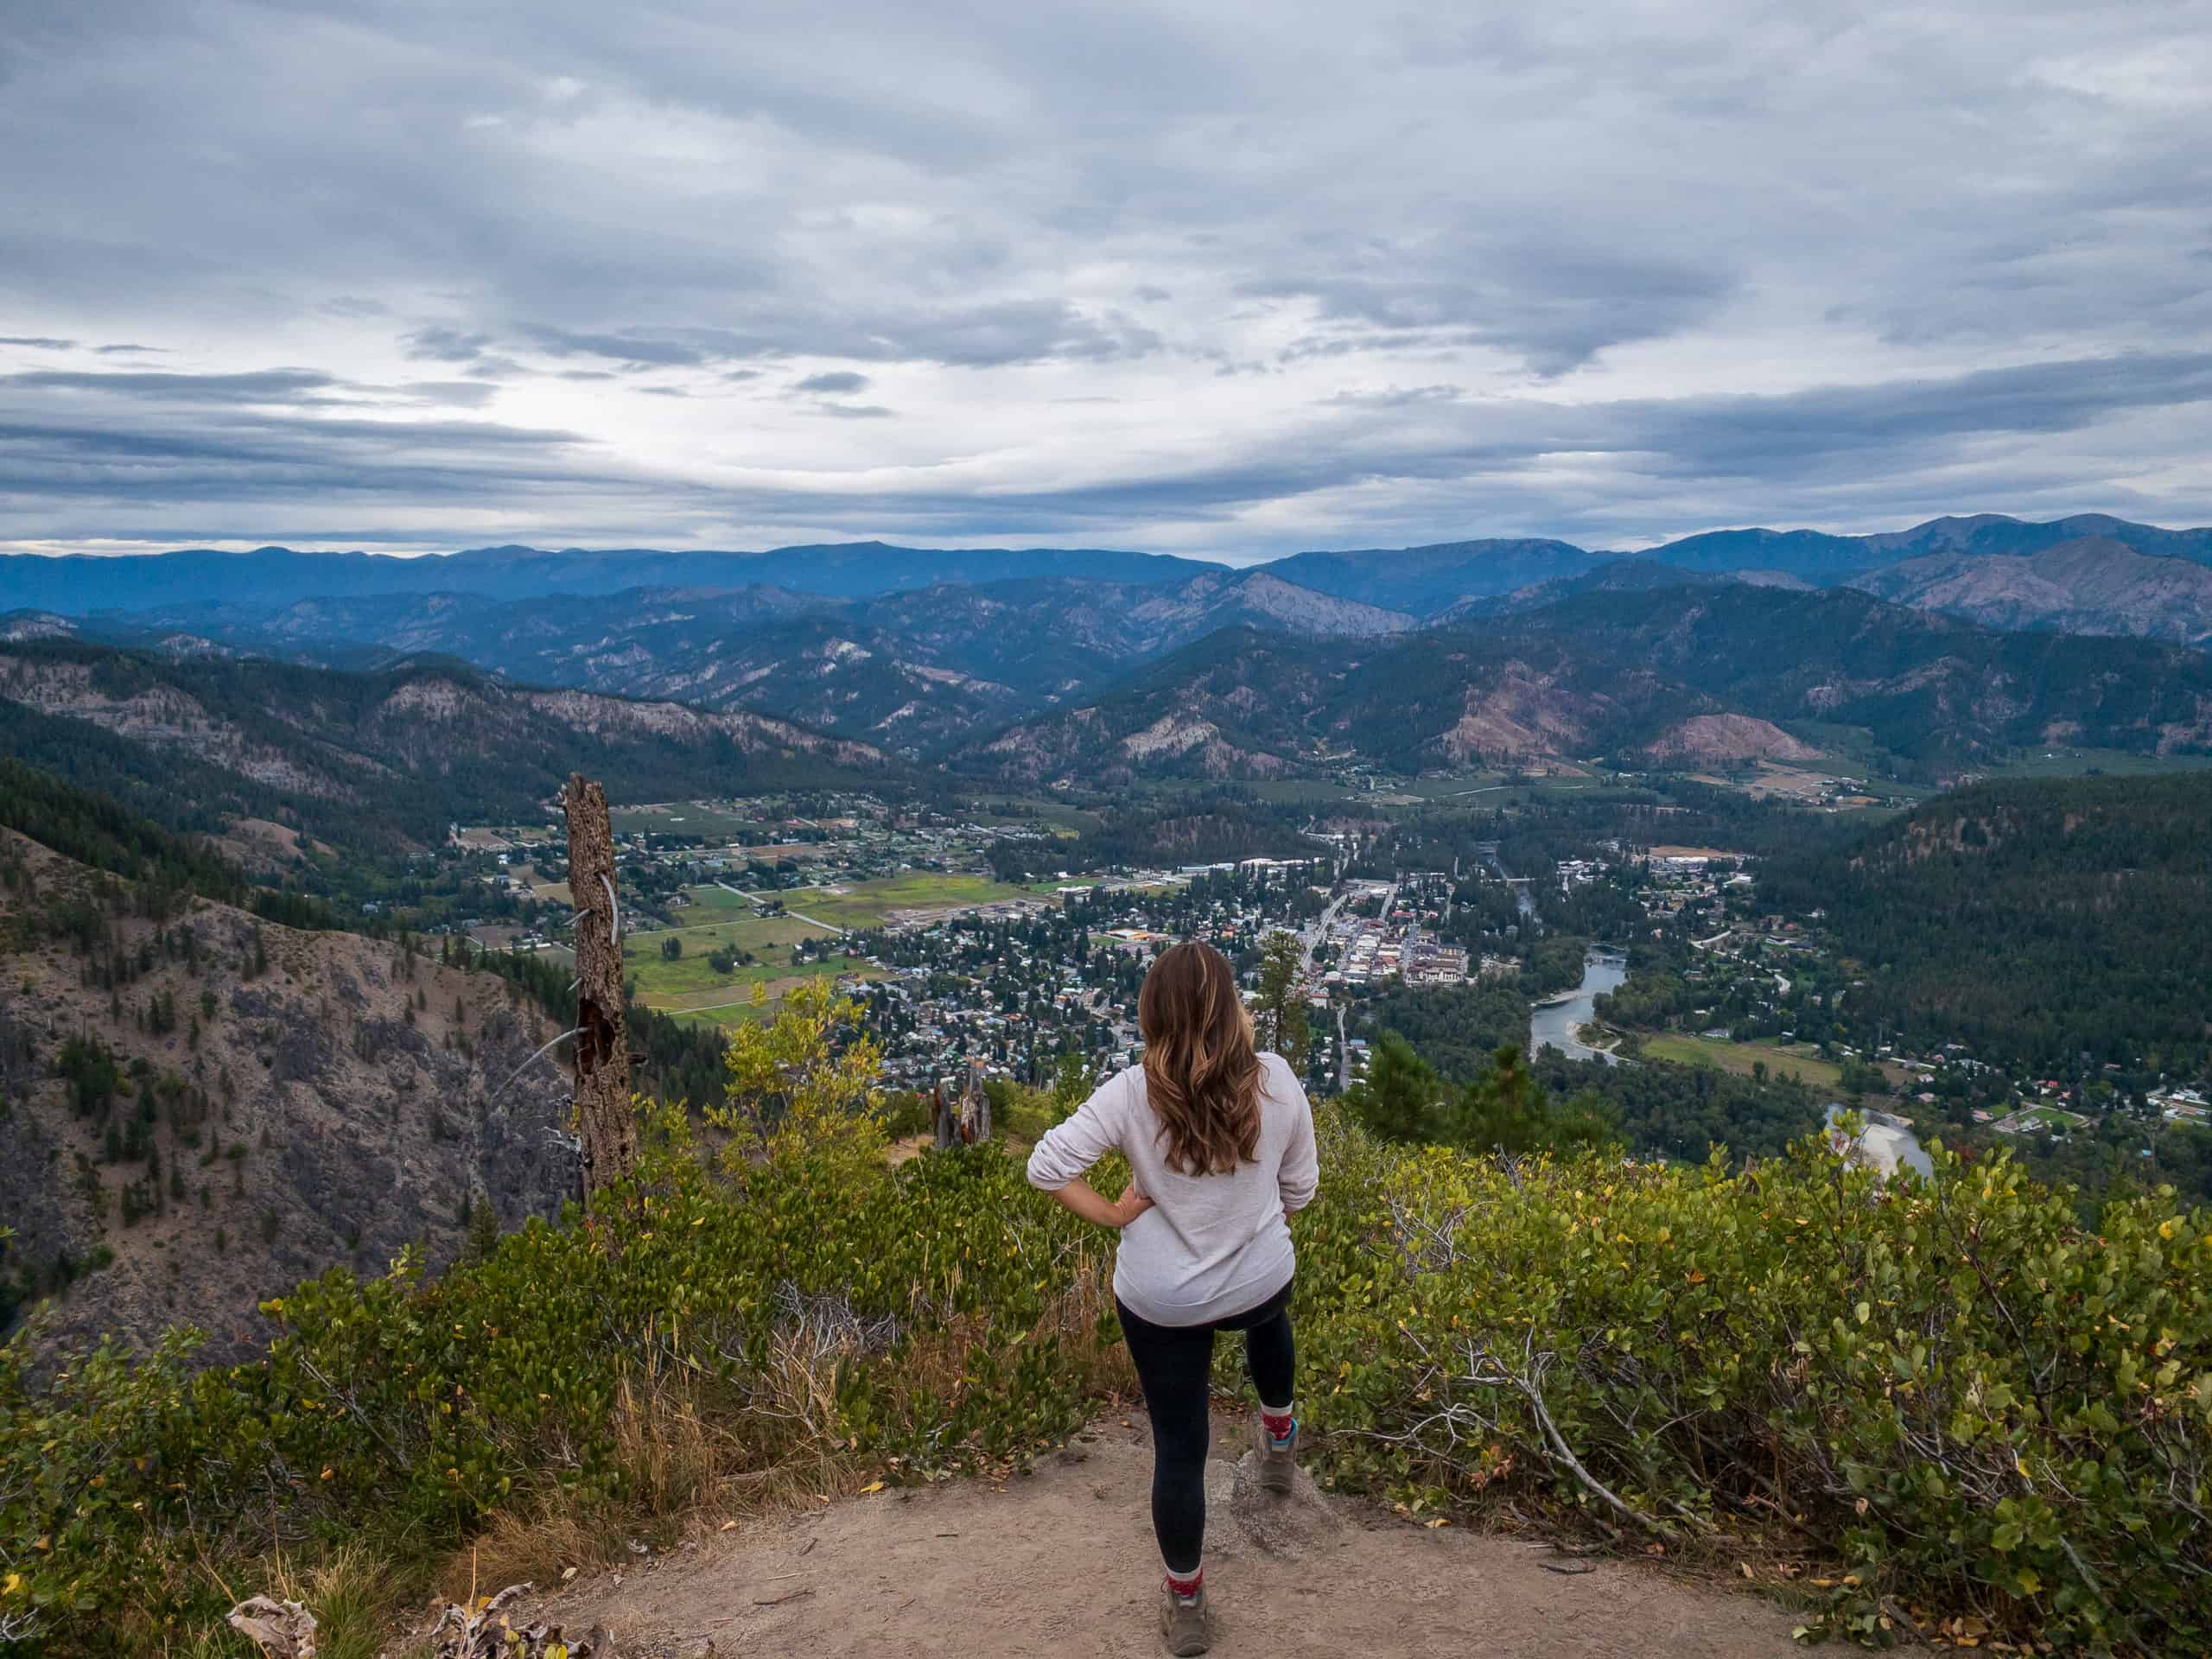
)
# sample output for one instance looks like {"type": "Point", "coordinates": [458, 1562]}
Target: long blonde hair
{"type": "Point", "coordinates": [1200, 1069]}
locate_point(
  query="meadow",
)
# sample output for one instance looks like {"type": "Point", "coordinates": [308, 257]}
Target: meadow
{"type": "Point", "coordinates": [869, 903]}
{"type": "Point", "coordinates": [688, 986]}
{"type": "Point", "coordinates": [1739, 1058]}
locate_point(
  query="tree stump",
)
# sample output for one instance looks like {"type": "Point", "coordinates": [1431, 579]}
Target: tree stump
{"type": "Point", "coordinates": [975, 1107]}
{"type": "Point", "coordinates": [944, 1121]}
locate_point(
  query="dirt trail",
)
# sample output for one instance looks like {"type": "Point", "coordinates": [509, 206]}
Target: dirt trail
{"type": "Point", "coordinates": [1062, 1562]}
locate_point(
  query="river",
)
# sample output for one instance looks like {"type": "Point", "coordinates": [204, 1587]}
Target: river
{"type": "Point", "coordinates": [1888, 1141]}
{"type": "Point", "coordinates": [1556, 1023]}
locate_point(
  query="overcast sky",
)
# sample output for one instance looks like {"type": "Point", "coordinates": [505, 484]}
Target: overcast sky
{"type": "Point", "coordinates": [1225, 279]}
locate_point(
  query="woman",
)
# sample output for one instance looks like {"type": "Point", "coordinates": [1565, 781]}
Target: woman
{"type": "Point", "coordinates": [1220, 1144]}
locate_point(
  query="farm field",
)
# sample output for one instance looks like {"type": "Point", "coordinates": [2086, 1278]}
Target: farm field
{"type": "Point", "coordinates": [1039, 811]}
{"type": "Point", "coordinates": [1739, 1058]}
{"type": "Point", "coordinates": [1300, 792]}
{"type": "Point", "coordinates": [714, 904]}
{"type": "Point", "coordinates": [867, 904]}
{"type": "Point", "coordinates": [688, 985]}
{"type": "Point", "coordinates": [740, 928]}
{"type": "Point", "coordinates": [728, 1001]}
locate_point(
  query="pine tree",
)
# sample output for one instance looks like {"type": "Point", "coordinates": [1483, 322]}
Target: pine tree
{"type": "Point", "coordinates": [1278, 1011]}
{"type": "Point", "coordinates": [1400, 1096]}
{"type": "Point", "coordinates": [1071, 1084]}
{"type": "Point", "coordinates": [483, 1228]}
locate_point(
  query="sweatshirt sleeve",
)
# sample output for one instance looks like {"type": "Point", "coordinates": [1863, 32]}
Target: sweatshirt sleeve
{"type": "Point", "coordinates": [1301, 1163]}
{"type": "Point", "coordinates": [1069, 1150]}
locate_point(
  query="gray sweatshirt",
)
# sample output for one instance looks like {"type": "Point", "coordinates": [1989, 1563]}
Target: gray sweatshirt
{"type": "Point", "coordinates": [1211, 1246]}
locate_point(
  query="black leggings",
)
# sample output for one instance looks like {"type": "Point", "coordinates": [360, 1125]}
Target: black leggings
{"type": "Point", "coordinates": [1173, 1363]}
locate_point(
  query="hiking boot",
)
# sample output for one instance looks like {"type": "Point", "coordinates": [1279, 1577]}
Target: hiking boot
{"type": "Point", "coordinates": [1184, 1624]}
{"type": "Point", "coordinates": [1278, 1458]}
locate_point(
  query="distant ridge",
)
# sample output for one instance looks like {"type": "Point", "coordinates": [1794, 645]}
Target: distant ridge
{"type": "Point", "coordinates": [1422, 582]}
{"type": "Point", "coordinates": [2093, 584]}
{"type": "Point", "coordinates": [275, 576]}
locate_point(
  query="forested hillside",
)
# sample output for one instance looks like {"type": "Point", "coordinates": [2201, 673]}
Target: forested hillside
{"type": "Point", "coordinates": [204, 1100]}
{"type": "Point", "coordinates": [202, 1107]}
{"type": "Point", "coordinates": [2064, 921]}
{"type": "Point", "coordinates": [371, 763]}
{"type": "Point", "coordinates": [1937, 694]}
{"type": "Point", "coordinates": [1685, 673]}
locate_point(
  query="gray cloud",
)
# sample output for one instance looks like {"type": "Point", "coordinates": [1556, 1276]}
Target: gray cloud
{"type": "Point", "coordinates": [459, 394]}
{"type": "Point", "coordinates": [642, 350]}
{"type": "Point", "coordinates": [1917, 435]}
{"type": "Point", "coordinates": [966, 336]}
{"type": "Point", "coordinates": [442, 344]}
{"type": "Point", "coordinates": [1396, 397]}
{"type": "Point", "coordinates": [1555, 307]}
{"type": "Point", "coordinates": [256, 386]}
{"type": "Point", "coordinates": [1175, 276]}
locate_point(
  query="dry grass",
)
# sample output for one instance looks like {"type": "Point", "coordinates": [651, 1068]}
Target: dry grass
{"type": "Point", "coordinates": [695, 1457]}
{"type": "Point", "coordinates": [353, 1591]}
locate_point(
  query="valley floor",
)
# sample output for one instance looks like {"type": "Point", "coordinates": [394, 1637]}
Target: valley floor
{"type": "Point", "coordinates": [1062, 1562]}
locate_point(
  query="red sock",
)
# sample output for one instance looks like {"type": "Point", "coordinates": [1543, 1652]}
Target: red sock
{"type": "Point", "coordinates": [1279, 1423]}
{"type": "Point", "coordinates": [1188, 1587]}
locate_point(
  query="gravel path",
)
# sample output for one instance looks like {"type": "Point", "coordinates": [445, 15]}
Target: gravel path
{"type": "Point", "coordinates": [1061, 1562]}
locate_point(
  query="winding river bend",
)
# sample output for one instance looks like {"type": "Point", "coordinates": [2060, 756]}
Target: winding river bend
{"type": "Point", "coordinates": [1556, 1020]}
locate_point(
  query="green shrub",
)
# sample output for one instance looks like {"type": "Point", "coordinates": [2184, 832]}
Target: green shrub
{"type": "Point", "coordinates": [1953, 1394]}
{"type": "Point", "coordinates": [953, 1317]}
{"type": "Point", "coordinates": [1975, 1405]}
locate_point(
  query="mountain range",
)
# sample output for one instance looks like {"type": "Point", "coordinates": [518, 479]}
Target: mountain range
{"type": "Point", "coordinates": [1421, 580]}
{"type": "Point", "coordinates": [1712, 673]}
{"type": "Point", "coordinates": [442, 691]}
{"type": "Point", "coordinates": [2093, 584]}
{"type": "Point", "coordinates": [913, 669]}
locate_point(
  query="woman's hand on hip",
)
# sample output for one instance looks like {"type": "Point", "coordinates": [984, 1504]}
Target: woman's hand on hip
{"type": "Point", "coordinates": [1126, 1209]}
{"type": "Point", "coordinates": [1077, 1196]}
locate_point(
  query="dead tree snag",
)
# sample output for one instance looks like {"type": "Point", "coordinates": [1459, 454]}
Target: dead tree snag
{"type": "Point", "coordinates": [606, 1122]}
{"type": "Point", "coordinates": [965, 1120]}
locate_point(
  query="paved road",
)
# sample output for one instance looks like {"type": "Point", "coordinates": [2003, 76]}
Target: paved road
{"type": "Point", "coordinates": [1311, 938]}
